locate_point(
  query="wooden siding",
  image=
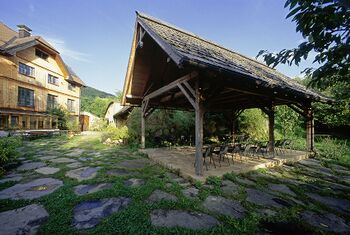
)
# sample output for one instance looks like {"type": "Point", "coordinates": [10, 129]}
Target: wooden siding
{"type": "Point", "coordinates": [11, 79]}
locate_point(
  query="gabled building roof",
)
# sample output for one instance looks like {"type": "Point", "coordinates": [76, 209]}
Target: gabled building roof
{"type": "Point", "coordinates": [185, 48]}
{"type": "Point", "coordinates": [11, 43]}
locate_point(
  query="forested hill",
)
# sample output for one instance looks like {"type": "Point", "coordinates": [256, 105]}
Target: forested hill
{"type": "Point", "coordinates": [92, 92]}
{"type": "Point", "coordinates": [95, 101]}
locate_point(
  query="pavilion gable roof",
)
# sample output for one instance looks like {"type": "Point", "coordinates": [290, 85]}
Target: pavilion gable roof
{"type": "Point", "coordinates": [187, 48]}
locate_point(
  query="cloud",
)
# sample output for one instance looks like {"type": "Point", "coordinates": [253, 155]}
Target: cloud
{"type": "Point", "coordinates": [60, 45]}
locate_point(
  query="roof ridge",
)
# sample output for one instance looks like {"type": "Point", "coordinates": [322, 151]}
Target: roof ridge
{"type": "Point", "coordinates": [8, 27]}
{"type": "Point", "coordinates": [198, 37]}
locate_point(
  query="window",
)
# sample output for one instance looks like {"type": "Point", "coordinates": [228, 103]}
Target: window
{"type": "Point", "coordinates": [41, 54]}
{"type": "Point", "coordinates": [71, 87]}
{"type": "Point", "coordinates": [26, 70]}
{"type": "Point", "coordinates": [3, 121]}
{"type": "Point", "coordinates": [52, 79]}
{"type": "Point", "coordinates": [70, 105]}
{"type": "Point", "coordinates": [14, 121]}
{"type": "Point", "coordinates": [51, 101]}
{"type": "Point", "coordinates": [25, 97]}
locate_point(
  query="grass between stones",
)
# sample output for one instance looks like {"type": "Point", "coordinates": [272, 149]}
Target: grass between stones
{"type": "Point", "coordinates": [135, 219]}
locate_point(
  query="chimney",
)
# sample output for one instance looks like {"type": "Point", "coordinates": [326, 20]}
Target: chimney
{"type": "Point", "coordinates": [23, 31]}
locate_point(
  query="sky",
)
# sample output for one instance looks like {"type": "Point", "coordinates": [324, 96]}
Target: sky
{"type": "Point", "coordinates": [94, 36]}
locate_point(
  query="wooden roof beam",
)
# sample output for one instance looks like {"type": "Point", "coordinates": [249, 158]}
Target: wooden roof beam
{"type": "Point", "coordinates": [171, 85]}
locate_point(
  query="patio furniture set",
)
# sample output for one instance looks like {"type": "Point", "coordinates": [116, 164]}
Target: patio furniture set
{"type": "Point", "coordinates": [223, 152]}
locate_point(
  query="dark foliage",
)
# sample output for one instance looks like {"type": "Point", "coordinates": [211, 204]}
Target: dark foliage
{"type": "Point", "coordinates": [325, 26]}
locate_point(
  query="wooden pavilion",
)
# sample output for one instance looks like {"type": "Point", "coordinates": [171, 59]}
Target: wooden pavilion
{"type": "Point", "coordinates": [175, 69]}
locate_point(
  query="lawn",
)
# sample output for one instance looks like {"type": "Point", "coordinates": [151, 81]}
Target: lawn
{"type": "Point", "coordinates": [289, 193]}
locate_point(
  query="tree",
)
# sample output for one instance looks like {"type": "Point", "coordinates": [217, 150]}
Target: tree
{"type": "Point", "coordinates": [325, 26]}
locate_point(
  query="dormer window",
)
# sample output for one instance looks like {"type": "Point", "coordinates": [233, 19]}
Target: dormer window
{"type": "Point", "coordinates": [41, 54]}
{"type": "Point", "coordinates": [52, 80]}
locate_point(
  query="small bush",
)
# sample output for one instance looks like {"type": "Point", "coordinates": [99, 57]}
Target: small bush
{"type": "Point", "coordinates": [73, 125]}
{"type": "Point", "coordinates": [62, 116]}
{"type": "Point", "coordinates": [333, 149]}
{"type": "Point", "coordinates": [115, 134]}
{"type": "Point", "coordinates": [8, 151]}
{"type": "Point", "coordinates": [99, 125]}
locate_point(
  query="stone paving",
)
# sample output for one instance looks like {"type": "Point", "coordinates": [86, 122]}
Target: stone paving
{"type": "Point", "coordinates": [88, 214]}
{"type": "Point", "coordinates": [83, 173]}
{"type": "Point", "coordinates": [184, 219]}
{"type": "Point", "coordinates": [34, 189]}
{"type": "Point", "coordinates": [316, 192]}
{"type": "Point", "coordinates": [87, 189]}
{"type": "Point", "coordinates": [25, 220]}
{"type": "Point", "coordinates": [47, 170]}
{"type": "Point", "coordinates": [223, 206]}
{"type": "Point", "coordinates": [30, 166]}
{"type": "Point", "coordinates": [159, 195]}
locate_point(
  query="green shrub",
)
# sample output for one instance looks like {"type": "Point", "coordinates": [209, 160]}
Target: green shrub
{"type": "Point", "coordinates": [98, 125]}
{"type": "Point", "coordinates": [163, 127]}
{"type": "Point", "coordinates": [335, 149]}
{"type": "Point", "coordinates": [115, 133]}
{"type": "Point", "coordinates": [62, 115]}
{"type": "Point", "coordinates": [253, 123]}
{"type": "Point", "coordinates": [8, 151]}
{"type": "Point", "coordinates": [73, 125]}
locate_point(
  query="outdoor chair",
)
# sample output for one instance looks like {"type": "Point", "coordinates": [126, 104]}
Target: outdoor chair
{"type": "Point", "coordinates": [234, 150]}
{"type": "Point", "coordinates": [287, 145]}
{"type": "Point", "coordinates": [222, 154]}
{"type": "Point", "coordinates": [207, 154]}
{"type": "Point", "coordinates": [277, 146]}
{"type": "Point", "coordinates": [249, 150]}
{"type": "Point", "coordinates": [262, 148]}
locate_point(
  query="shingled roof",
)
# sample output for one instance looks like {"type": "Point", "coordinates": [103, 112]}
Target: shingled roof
{"type": "Point", "coordinates": [11, 43]}
{"type": "Point", "coordinates": [187, 48]}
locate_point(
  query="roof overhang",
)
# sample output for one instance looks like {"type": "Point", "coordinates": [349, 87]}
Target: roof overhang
{"type": "Point", "coordinates": [154, 63]}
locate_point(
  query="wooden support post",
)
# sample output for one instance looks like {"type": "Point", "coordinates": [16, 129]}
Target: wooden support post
{"type": "Point", "coordinates": [9, 121]}
{"type": "Point", "coordinates": [37, 123]}
{"type": "Point", "coordinates": [20, 119]}
{"type": "Point", "coordinates": [199, 131]}
{"type": "Point", "coordinates": [27, 118]}
{"type": "Point", "coordinates": [271, 115]}
{"type": "Point", "coordinates": [50, 121]}
{"type": "Point", "coordinates": [143, 143]}
{"type": "Point", "coordinates": [233, 130]}
{"type": "Point", "coordinates": [310, 131]}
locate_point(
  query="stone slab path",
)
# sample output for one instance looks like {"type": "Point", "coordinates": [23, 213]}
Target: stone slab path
{"type": "Point", "coordinates": [30, 166]}
{"type": "Point", "coordinates": [133, 182]}
{"type": "Point", "coordinates": [24, 220]}
{"type": "Point", "coordinates": [47, 170]}
{"type": "Point", "coordinates": [87, 189]}
{"type": "Point", "coordinates": [118, 172]}
{"type": "Point", "coordinates": [83, 173]}
{"type": "Point", "coordinates": [159, 195]}
{"type": "Point", "coordinates": [223, 206]}
{"type": "Point", "coordinates": [191, 193]}
{"type": "Point", "coordinates": [326, 221]}
{"type": "Point", "coordinates": [184, 219]}
{"type": "Point", "coordinates": [34, 189]}
{"type": "Point", "coordinates": [88, 214]}
{"type": "Point", "coordinates": [62, 160]}
{"type": "Point", "coordinates": [317, 191]}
